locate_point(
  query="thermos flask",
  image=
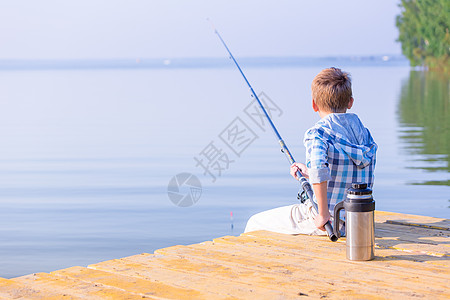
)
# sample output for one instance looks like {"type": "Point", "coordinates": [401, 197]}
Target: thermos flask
{"type": "Point", "coordinates": [359, 209]}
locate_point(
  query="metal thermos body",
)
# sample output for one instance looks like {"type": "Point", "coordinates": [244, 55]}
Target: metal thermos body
{"type": "Point", "coordinates": [359, 209]}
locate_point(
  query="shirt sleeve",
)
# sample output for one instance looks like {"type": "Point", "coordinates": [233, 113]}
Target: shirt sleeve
{"type": "Point", "coordinates": [316, 160]}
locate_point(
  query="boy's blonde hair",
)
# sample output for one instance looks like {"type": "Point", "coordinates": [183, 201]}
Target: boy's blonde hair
{"type": "Point", "coordinates": [332, 90]}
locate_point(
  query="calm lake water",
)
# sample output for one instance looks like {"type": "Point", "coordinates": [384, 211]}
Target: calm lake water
{"type": "Point", "coordinates": [87, 154]}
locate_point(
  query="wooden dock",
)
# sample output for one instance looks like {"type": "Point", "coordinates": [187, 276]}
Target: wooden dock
{"type": "Point", "coordinates": [412, 261]}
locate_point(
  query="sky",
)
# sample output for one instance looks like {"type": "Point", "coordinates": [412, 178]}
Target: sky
{"type": "Point", "coordinates": [111, 29]}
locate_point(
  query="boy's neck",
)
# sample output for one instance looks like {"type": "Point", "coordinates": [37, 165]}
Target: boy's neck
{"type": "Point", "coordinates": [323, 114]}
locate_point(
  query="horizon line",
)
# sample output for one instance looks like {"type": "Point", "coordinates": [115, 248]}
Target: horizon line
{"type": "Point", "coordinates": [199, 62]}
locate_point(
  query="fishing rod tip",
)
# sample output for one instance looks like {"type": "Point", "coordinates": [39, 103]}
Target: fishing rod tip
{"type": "Point", "coordinates": [212, 24]}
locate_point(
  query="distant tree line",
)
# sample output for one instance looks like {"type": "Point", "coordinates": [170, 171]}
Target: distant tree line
{"type": "Point", "coordinates": [424, 32]}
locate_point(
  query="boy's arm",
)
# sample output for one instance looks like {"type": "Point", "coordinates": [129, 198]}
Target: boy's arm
{"type": "Point", "coordinates": [320, 191]}
{"type": "Point", "coordinates": [319, 174]}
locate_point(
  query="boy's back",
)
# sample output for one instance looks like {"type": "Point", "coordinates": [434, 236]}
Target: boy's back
{"type": "Point", "coordinates": [340, 150]}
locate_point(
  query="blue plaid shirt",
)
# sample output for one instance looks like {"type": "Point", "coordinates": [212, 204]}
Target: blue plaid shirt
{"type": "Point", "coordinates": [340, 150]}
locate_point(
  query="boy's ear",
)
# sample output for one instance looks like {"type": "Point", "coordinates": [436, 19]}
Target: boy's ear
{"type": "Point", "coordinates": [350, 103]}
{"type": "Point", "coordinates": [314, 106]}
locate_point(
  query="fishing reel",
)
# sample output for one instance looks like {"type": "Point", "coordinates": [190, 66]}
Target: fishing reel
{"type": "Point", "coordinates": [302, 195]}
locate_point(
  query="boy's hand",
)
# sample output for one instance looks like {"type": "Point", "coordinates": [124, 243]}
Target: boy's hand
{"type": "Point", "coordinates": [299, 167]}
{"type": "Point", "coordinates": [321, 220]}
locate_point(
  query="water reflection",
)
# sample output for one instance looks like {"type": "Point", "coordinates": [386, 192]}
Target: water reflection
{"type": "Point", "coordinates": [425, 122]}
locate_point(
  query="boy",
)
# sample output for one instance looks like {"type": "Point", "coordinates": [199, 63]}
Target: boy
{"type": "Point", "coordinates": [339, 151]}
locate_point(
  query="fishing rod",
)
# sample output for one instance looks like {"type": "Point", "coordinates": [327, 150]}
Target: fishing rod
{"type": "Point", "coordinates": [306, 186]}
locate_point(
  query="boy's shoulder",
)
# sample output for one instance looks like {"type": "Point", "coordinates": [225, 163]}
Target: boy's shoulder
{"type": "Point", "coordinates": [339, 127]}
{"type": "Point", "coordinates": [315, 132]}
{"type": "Point", "coordinates": [327, 125]}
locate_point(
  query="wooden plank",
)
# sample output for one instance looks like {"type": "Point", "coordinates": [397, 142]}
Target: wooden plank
{"type": "Point", "coordinates": [412, 220]}
{"type": "Point", "coordinates": [76, 288]}
{"type": "Point", "coordinates": [259, 273]}
{"type": "Point", "coordinates": [10, 289]}
{"type": "Point", "coordinates": [218, 278]}
{"type": "Point", "coordinates": [397, 231]}
{"type": "Point", "coordinates": [203, 281]}
{"type": "Point", "coordinates": [412, 234]}
{"type": "Point", "coordinates": [130, 284]}
{"type": "Point", "coordinates": [412, 224]}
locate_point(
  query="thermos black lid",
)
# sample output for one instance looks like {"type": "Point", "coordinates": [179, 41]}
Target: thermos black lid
{"type": "Point", "coordinates": [359, 198]}
{"type": "Point", "coordinates": [359, 188]}
{"type": "Point", "coordinates": [359, 185]}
